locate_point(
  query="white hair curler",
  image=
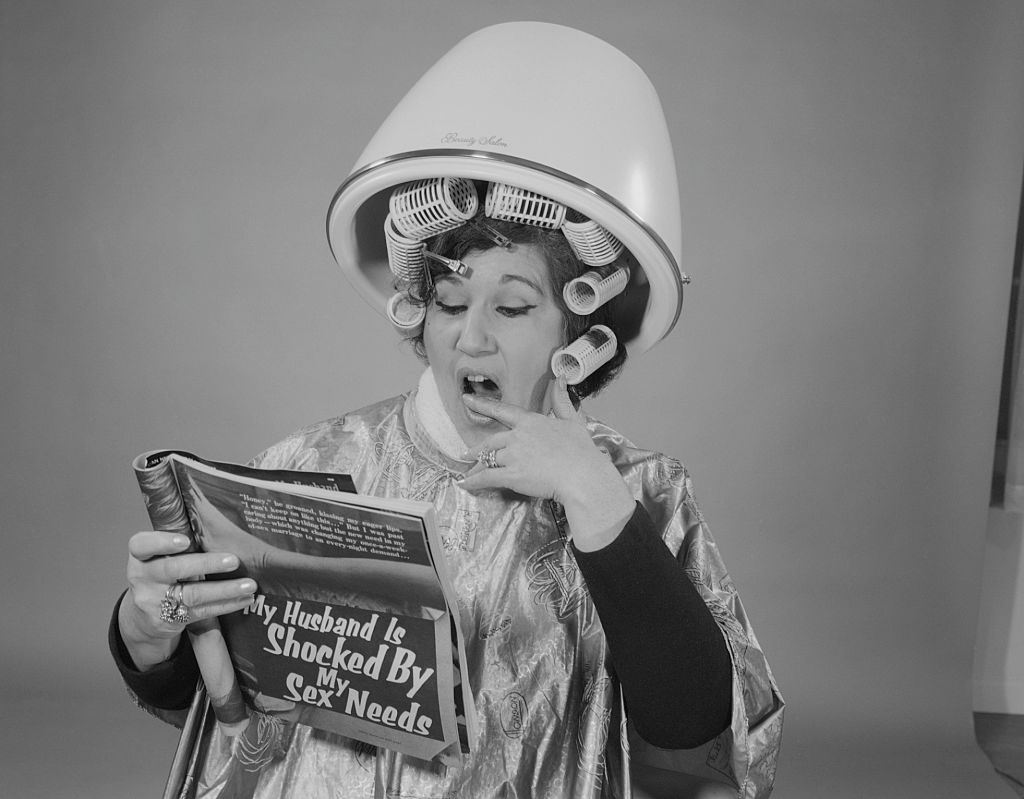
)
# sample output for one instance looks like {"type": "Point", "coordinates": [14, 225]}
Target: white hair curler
{"type": "Point", "coordinates": [425, 208]}
{"type": "Point", "coordinates": [405, 255]}
{"type": "Point", "coordinates": [405, 314]}
{"type": "Point", "coordinates": [513, 204]}
{"type": "Point", "coordinates": [408, 257]}
{"type": "Point", "coordinates": [588, 292]}
{"type": "Point", "coordinates": [593, 244]}
{"type": "Point", "coordinates": [585, 355]}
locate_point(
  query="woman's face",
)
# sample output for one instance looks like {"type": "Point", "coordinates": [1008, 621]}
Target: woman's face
{"type": "Point", "coordinates": [492, 332]}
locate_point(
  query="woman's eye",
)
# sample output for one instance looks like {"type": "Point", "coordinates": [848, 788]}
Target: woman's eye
{"type": "Point", "coordinates": [451, 310]}
{"type": "Point", "coordinates": [515, 310]}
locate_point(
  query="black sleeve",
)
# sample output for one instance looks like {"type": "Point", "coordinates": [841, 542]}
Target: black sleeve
{"type": "Point", "coordinates": [168, 686]}
{"type": "Point", "coordinates": [667, 650]}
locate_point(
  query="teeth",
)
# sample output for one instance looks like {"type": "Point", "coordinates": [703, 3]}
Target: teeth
{"type": "Point", "coordinates": [478, 382]}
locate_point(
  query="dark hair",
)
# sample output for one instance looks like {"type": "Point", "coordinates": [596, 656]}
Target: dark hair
{"type": "Point", "coordinates": [563, 266]}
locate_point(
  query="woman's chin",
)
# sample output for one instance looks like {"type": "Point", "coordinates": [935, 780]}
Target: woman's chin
{"type": "Point", "coordinates": [474, 427]}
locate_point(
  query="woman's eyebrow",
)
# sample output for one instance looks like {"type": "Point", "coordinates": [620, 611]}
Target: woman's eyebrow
{"type": "Point", "coordinates": [509, 278]}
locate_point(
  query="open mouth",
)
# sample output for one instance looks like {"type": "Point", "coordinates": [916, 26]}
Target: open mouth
{"type": "Point", "coordinates": [481, 386]}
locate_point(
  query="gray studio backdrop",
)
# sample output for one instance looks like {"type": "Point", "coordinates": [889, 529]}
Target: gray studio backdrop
{"type": "Point", "coordinates": [850, 177]}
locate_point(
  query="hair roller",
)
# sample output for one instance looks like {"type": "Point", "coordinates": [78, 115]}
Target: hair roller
{"type": "Point", "coordinates": [405, 314]}
{"type": "Point", "coordinates": [593, 244]}
{"type": "Point", "coordinates": [513, 204]}
{"type": "Point", "coordinates": [588, 292]}
{"type": "Point", "coordinates": [405, 255]}
{"type": "Point", "coordinates": [425, 208]}
{"type": "Point", "coordinates": [585, 355]}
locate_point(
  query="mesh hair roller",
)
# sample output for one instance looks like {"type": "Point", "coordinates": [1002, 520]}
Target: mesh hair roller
{"type": "Point", "coordinates": [585, 355]}
{"type": "Point", "coordinates": [588, 292]}
{"type": "Point", "coordinates": [425, 208]}
{"type": "Point", "coordinates": [592, 244]}
{"type": "Point", "coordinates": [408, 257]}
{"type": "Point", "coordinates": [405, 314]}
{"type": "Point", "coordinates": [513, 204]}
{"type": "Point", "coordinates": [405, 255]}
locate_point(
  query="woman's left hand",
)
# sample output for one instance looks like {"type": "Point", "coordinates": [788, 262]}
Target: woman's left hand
{"type": "Point", "coordinates": [553, 457]}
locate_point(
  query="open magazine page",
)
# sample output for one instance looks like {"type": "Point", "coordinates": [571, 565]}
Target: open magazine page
{"type": "Point", "coordinates": [350, 630]}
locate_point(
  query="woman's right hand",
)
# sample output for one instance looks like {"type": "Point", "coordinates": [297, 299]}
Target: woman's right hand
{"type": "Point", "coordinates": [157, 562]}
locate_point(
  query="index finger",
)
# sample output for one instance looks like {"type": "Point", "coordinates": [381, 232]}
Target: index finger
{"type": "Point", "coordinates": [509, 415]}
{"type": "Point", "coordinates": [151, 544]}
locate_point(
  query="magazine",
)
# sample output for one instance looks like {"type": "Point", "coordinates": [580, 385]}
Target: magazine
{"type": "Point", "coordinates": [353, 628]}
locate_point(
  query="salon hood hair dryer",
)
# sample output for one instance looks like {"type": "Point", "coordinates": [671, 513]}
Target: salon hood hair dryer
{"type": "Point", "coordinates": [549, 109]}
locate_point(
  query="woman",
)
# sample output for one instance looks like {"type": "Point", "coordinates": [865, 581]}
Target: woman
{"type": "Point", "coordinates": [604, 638]}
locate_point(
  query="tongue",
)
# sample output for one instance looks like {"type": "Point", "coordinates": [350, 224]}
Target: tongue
{"type": "Point", "coordinates": [486, 389]}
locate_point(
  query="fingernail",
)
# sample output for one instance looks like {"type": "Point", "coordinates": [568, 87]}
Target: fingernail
{"type": "Point", "coordinates": [246, 587]}
{"type": "Point", "coordinates": [179, 541]}
{"type": "Point", "coordinates": [230, 561]}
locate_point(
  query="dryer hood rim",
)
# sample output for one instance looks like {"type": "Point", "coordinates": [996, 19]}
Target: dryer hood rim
{"type": "Point", "coordinates": [661, 267]}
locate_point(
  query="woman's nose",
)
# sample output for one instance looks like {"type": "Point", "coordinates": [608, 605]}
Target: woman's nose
{"type": "Point", "coordinates": [475, 337]}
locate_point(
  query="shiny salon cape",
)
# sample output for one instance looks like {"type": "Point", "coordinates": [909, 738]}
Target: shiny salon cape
{"type": "Point", "coordinates": [550, 713]}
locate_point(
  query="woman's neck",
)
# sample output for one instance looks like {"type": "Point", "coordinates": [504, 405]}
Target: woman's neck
{"type": "Point", "coordinates": [434, 418]}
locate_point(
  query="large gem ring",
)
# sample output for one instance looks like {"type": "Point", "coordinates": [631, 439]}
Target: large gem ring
{"type": "Point", "coordinates": [173, 609]}
{"type": "Point", "coordinates": [489, 458]}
